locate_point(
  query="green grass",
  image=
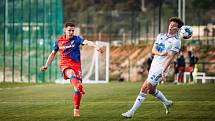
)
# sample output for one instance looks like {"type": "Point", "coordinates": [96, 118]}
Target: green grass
{"type": "Point", "coordinates": [103, 102]}
{"type": "Point", "coordinates": [14, 85]}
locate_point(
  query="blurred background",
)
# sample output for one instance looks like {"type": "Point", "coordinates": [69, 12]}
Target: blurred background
{"type": "Point", "coordinates": [29, 28]}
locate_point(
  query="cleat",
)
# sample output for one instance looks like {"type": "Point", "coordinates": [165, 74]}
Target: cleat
{"type": "Point", "coordinates": [167, 106]}
{"type": "Point", "coordinates": [128, 114]}
{"type": "Point", "coordinates": [76, 113]}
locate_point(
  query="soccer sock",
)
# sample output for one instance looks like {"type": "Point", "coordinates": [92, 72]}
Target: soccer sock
{"type": "Point", "coordinates": [160, 96]}
{"type": "Point", "coordinates": [139, 100]}
{"type": "Point", "coordinates": [77, 94]}
{"type": "Point", "coordinates": [77, 99]}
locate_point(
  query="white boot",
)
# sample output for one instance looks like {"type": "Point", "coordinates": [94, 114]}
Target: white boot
{"type": "Point", "coordinates": [167, 106]}
{"type": "Point", "coordinates": [128, 114]}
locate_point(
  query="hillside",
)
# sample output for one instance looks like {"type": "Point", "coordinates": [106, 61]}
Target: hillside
{"type": "Point", "coordinates": [129, 62]}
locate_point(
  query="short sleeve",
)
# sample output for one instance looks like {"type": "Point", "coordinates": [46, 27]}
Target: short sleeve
{"type": "Point", "coordinates": [157, 39]}
{"type": "Point", "coordinates": [80, 40]}
{"type": "Point", "coordinates": [55, 46]}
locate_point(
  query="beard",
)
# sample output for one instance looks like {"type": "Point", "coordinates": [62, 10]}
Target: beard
{"type": "Point", "coordinates": [69, 36]}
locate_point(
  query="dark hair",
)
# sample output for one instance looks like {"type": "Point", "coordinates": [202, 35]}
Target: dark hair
{"type": "Point", "coordinates": [69, 24]}
{"type": "Point", "coordinates": [189, 53]}
{"type": "Point", "coordinates": [177, 20]}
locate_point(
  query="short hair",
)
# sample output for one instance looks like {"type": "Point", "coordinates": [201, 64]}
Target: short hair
{"type": "Point", "coordinates": [189, 53]}
{"type": "Point", "coordinates": [177, 20]}
{"type": "Point", "coordinates": [69, 24]}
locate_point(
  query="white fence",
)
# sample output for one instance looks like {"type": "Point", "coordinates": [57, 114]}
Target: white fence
{"type": "Point", "coordinates": [199, 76]}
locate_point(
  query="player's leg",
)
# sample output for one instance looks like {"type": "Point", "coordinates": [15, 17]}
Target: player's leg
{"type": "Point", "coordinates": [141, 96]}
{"type": "Point", "coordinates": [160, 96]}
{"type": "Point", "coordinates": [139, 100]}
{"type": "Point", "coordinates": [147, 87]}
{"type": "Point", "coordinates": [182, 74]}
{"type": "Point", "coordinates": [191, 77]}
{"type": "Point", "coordinates": [78, 73]}
{"type": "Point", "coordinates": [77, 82]}
{"type": "Point", "coordinates": [191, 74]}
{"type": "Point", "coordinates": [152, 89]}
{"type": "Point", "coordinates": [77, 94]}
{"type": "Point", "coordinates": [176, 76]}
{"type": "Point", "coordinates": [69, 73]}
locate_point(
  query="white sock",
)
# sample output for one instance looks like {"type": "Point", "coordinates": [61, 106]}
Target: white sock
{"type": "Point", "coordinates": [139, 100]}
{"type": "Point", "coordinates": [160, 96]}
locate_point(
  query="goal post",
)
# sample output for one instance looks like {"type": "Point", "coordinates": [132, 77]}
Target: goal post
{"type": "Point", "coordinates": [95, 66]}
{"type": "Point", "coordinates": [99, 65]}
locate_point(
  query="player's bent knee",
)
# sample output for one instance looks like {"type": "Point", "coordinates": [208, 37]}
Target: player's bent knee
{"type": "Point", "coordinates": [75, 81]}
{"type": "Point", "coordinates": [152, 92]}
{"type": "Point", "coordinates": [144, 87]}
{"type": "Point", "coordinates": [67, 73]}
{"type": "Point", "coordinates": [151, 88]}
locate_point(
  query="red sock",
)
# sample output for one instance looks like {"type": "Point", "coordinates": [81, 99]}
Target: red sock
{"type": "Point", "coordinates": [78, 94]}
{"type": "Point", "coordinates": [77, 100]}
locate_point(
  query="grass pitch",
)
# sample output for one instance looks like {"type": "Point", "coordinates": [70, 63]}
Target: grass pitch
{"type": "Point", "coordinates": [104, 102]}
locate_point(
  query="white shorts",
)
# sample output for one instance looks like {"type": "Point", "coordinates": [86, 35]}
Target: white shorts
{"type": "Point", "coordinates": [155, 77]}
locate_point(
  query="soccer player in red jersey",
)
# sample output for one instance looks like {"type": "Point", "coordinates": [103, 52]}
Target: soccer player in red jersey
{"type": "Point", "coordinates": [70, 65]}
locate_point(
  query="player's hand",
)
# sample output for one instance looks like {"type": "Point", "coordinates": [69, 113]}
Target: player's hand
{"type": "Point", "coordinates": [100, 49]}
{"type": "Point", "coordinates": [43, 68]}
{"type": "Point", "coordinates": [164, 53]}
{"type": "Point", "coordinates": [163, 76]}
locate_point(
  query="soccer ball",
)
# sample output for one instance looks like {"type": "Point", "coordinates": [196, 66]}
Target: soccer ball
{"type": "Point", "coordinates": [185, 32]}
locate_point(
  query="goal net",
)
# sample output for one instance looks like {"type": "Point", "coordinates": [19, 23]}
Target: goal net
{"type": "Point", "coordinates": [95, 66]}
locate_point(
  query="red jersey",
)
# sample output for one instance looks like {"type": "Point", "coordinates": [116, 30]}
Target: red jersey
{"type": "Point", "coordinates": [69, 51]}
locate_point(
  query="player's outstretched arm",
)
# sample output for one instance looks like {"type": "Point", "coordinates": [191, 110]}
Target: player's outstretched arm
{"type": "Point", "coordinates": [49, 60]}
{"type": "Point", "coordinates": [90, 43]}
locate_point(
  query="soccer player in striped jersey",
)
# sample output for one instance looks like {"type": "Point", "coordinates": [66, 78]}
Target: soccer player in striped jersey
{"type": "Point", "coordinates": [165, 48]}
{"type": "Point", "coordinates": [70, 65]}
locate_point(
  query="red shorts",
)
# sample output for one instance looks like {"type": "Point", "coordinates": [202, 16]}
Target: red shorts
{"type": "Point", "coordinates": [190, 68]}
{"type": "Point", "coordinates": [181, 69]}
{"type": "Point", "coordinates": [76, 69]}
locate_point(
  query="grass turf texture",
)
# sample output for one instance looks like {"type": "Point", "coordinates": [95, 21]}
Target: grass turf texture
{"type": "Point", "coordinates": [103, 102]}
